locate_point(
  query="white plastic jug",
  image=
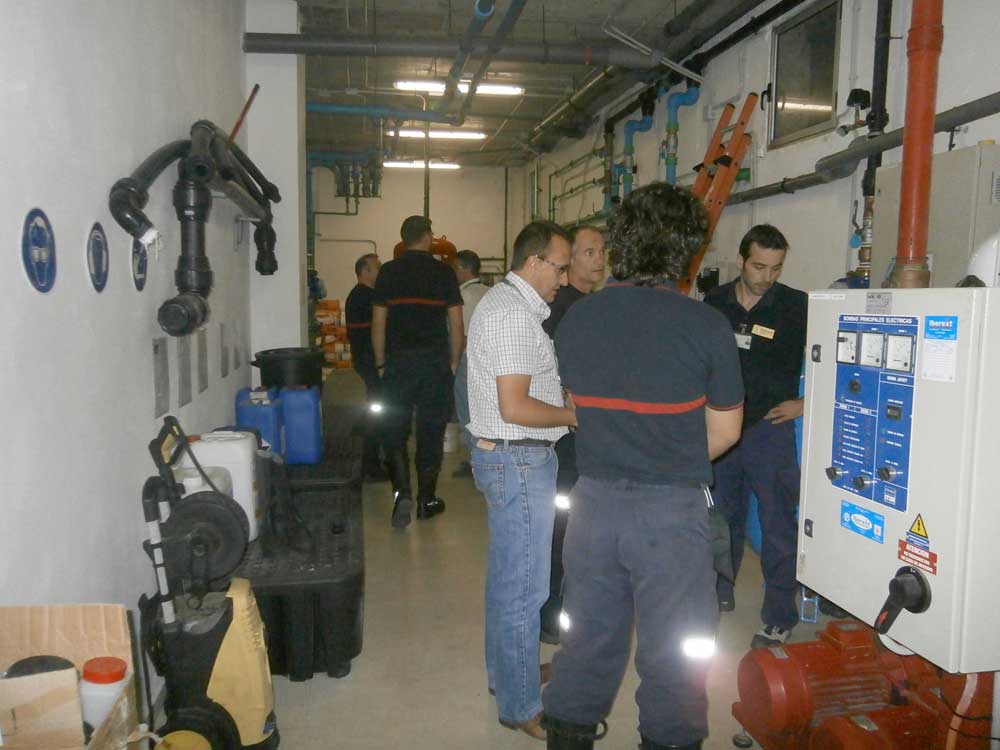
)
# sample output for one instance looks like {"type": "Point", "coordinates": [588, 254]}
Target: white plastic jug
{"type": "Point", "coordinates": [193, 482]}
{"type": "Point", "coordinates": [235, 452]}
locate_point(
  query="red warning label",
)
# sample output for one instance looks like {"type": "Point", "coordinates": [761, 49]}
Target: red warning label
{"type": "Point", "coordinates": [918, 557]}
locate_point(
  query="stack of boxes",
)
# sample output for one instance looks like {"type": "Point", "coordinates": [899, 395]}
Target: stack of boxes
{"type": "Point", "coordinates": [333, 334]}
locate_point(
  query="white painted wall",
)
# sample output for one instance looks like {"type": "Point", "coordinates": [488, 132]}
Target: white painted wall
{"type": "Point", "coordinates": [276, 139]}
{"type": "Point", "coordinates": [466, 206]}
{"type": "Point", "coordinates": [88, 90]}
{"type": "Point", "coordinates": [817, 222]}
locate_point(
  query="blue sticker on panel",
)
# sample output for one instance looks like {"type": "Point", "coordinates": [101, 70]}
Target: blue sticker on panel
{"type": "Point", "coordinates": [38, 250]}
{"type": "Point", "coordinates": [873, 407]}
{"type": "Point", "coordinates": [941, 327]}
{"type": "Point", "coordinates": [140, 262]}
{"type": "Point", "coordinates": [863, 522]}
{"type": "Point", "coordinates": [98, 255]}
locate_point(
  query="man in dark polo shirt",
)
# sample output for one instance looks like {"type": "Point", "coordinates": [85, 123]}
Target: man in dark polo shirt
{"type": "Point", "coordinates": [417, 337]}
{"type": "Point", "coordinates": [769, 323]}
{"type": "Point", "coordinates": [655, 403]}
{"type": "Point", "coordinates": [587, 268]}
{"type": "Point", "coordinates": [358, 310]}
{"type": "Point", "coordinates": [586, 272]}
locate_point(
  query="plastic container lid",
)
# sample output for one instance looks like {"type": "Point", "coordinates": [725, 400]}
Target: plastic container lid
{"type": "Point", "coordinates": [104, 669]}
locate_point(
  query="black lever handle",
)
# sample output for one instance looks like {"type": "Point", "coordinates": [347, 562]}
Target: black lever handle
{"type": "Point", "coordinates": [908, 590]}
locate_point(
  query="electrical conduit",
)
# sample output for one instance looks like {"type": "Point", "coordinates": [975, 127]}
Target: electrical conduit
{"type": "Point", "coordinates": [674, 103]}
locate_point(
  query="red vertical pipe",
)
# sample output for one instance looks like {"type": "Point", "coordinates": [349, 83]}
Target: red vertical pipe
{"type": "Point", "coordinates": [923, 49]}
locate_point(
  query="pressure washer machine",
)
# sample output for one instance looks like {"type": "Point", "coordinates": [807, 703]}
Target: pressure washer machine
{"type": "Point", "coordinates": [202, 630]}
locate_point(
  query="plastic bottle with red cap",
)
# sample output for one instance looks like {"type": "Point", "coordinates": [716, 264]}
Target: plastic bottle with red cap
{"type": "Point", "coordinates": [104, 678]}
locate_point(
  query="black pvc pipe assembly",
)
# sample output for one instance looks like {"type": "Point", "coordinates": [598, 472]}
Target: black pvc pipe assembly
{"type": "Point", "coordinates": [206, 161]}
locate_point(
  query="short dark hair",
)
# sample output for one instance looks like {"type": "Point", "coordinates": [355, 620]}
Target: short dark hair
{"type": "Point", "coordinates": [533, 240]}
{"type": "Point", "coordinates": [469, 260]}
{"type": "Point", "coordinates": [413, 229]}
{"type": "Point", "coordinates": [578, 230]}
{"type": "Point", "coordinates": [655, 232]}
{"type": "Point", "coordinates": [766, 236]}
{"type": "Point", "coordinates": [363, 262]}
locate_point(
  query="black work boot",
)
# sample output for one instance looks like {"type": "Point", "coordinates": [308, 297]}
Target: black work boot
{"type": "Point", "coordinates": [565, 735]}
{"type": "Point", "coordinates": [399, 473]}
{"type": "Point", "coordinates": [648, 744]}
{"type": "Point", "coordinates": [428, 504]}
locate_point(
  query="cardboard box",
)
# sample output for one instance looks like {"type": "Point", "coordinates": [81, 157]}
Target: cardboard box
{"type": "Point", "coordinates": [43, 711]}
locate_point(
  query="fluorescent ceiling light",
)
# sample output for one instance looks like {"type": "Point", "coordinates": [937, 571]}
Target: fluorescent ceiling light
{"type": "Point", "coordinates": [458, 135]}
{"type": "Point", "coordinates": [804, 107]}
{"type": "Point", "coordinates": [436, 88]}
{"type": "Point", "coordinates": [419, 165]}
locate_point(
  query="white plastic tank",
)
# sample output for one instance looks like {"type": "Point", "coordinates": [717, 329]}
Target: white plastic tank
{"type": "Point", "coordinates": [235, 452]}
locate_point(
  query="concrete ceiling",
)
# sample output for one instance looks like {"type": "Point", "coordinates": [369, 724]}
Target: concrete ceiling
{"type": "Point", "coordinates": [508, 121]}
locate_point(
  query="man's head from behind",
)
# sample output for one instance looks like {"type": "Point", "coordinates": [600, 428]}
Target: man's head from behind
{"type": "Point", "coordinates": [466, 266]}
{"type": "Point", "coordinates": [655, 233]}
{"type": "Point", "coordinates": [541, 257]}
{"type": "Point", "coordinates": [415, 233]}
{"type": "Point", "coordinates": [587, 266]}
{"type": "Point", "coordinates": [366, 268]}
{"type": "Point", "coordinates": [762, 257]}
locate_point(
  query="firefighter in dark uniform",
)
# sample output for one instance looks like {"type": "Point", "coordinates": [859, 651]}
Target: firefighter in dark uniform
{"type": "Point", "coordinates": [358, 311]}
{"type": "Point", "coordinates": [655, 403]}
{"type": "Point", "coordinates": [417, 336]}
{"type": "Point", "coordinates": [769, 323]}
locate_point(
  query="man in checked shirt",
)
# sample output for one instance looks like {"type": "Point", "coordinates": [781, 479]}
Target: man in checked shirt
{"type": "Point", "coordinates": [518, 412]}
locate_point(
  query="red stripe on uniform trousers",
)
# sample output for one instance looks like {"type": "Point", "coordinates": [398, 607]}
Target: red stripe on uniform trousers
{"type": "Point", "coordinates": [638, 407]}
{"type": "Point", "coordinates": [416, 301]}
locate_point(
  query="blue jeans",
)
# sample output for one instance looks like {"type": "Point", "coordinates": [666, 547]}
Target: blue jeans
{"type": "Point", "coordinates": [462, 400]}
{"type": "Point", "coordinates": [519, 484]}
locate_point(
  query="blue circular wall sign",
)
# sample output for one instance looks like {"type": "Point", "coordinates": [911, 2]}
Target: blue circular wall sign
{"type": "Point", "coordinates": [140, 262]}
{"type": "Point", "coordinates": [38, 250]}
{"type": "Point", "coordinates": [98, 253]}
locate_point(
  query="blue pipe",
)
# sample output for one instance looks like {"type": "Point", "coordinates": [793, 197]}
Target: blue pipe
{"type": "Point", "coordinates": [383, 113]}
{"type": "Point", "coordinates": [674, 103]}
{"type": "Point", "coordinates": [612, 198]}
{"type": "Point", "coordinates": [642, 125]}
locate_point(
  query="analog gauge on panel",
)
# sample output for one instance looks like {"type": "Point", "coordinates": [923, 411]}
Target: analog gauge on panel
{"type": "Point", "coordinates": [871, 349]}
{"type": "Point", "coordinates": [899, 353]}
{"type": "Point", "coordinates": [847, 347]}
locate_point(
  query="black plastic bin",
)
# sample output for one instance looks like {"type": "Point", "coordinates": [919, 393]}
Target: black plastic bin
{"type": "Point", "coordinates": [312, 602]}
{"type": "Point", "coordinates": [280, 368]}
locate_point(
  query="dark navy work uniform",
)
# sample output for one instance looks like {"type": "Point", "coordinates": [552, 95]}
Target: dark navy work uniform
{"type": "Point", "coordinates": [358, 311]}
{"type": "Point", "coordinates": [638, 546]}
{"type": "Point", "coordinates": [771, 339]}
{"type": "Point", "coordinates": [417, 290]}
{"type": "Point", "coordinates": [566, 297]}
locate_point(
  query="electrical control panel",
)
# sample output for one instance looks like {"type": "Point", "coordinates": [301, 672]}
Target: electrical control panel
{"type": "Point", "coordinates": [899, 453]}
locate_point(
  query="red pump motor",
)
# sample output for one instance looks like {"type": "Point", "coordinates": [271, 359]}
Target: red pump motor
{"type": "Point", "coordinates": [845, 691]}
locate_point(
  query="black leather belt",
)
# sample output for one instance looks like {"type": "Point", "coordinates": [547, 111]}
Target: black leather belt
{"type": "Point", "coordinates": [523, 441]}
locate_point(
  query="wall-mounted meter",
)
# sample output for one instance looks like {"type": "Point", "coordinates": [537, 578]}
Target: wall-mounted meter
{"type": "Point", "coordinates": [899, 517]}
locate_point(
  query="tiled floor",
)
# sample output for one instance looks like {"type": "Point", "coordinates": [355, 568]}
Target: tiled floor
{"type": "Point", "coordinates": [420, 681]}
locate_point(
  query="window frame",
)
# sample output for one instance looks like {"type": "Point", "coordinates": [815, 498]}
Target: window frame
{"type": "Point", "coordinates": [831, 122]}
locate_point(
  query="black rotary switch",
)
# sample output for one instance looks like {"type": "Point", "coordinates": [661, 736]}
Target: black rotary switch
{"type": "Point", "coordinates": [854, 386]}
{"type": "Point", "coordinates": [887, 473]}
{"type": "Point", "coordinates": [833, 473]}
{"type": "Point", "coordinates": [908, 590]}
{"type": "Point", "coordinates": [861, 482]}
